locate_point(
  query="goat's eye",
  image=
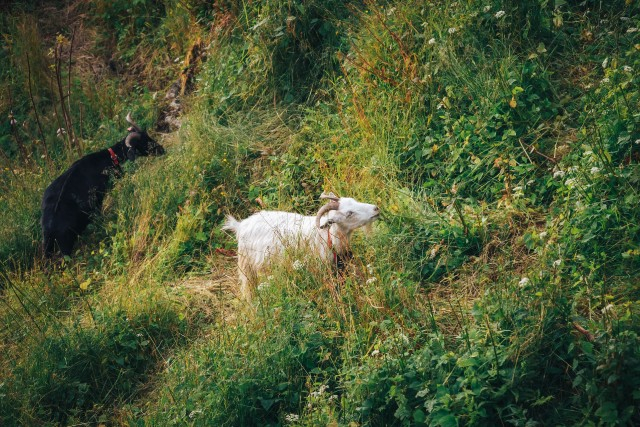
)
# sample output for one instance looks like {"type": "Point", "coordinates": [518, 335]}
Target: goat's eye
{"type": "Point", "coordinates": [349, 213]}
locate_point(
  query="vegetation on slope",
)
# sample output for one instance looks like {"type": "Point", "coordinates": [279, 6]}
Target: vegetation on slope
{"type": "Point", "coordinates": [499, 138]}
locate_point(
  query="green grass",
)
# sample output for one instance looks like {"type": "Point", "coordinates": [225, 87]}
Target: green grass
{"type": "Point", "coordinates": [500, 286]}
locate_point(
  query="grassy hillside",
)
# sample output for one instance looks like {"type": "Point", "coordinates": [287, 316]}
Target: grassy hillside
{"type": "Point", "coordinates": [500, 139]}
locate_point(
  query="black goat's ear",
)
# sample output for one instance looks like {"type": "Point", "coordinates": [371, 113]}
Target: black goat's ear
{"type": "Point", "coordinates": [131, 154]}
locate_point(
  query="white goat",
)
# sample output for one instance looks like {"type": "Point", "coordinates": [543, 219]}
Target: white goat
{"type": "Point", "coordinates": [267, 233]}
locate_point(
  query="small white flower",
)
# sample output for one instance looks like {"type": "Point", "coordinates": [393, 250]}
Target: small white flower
{"type": "Point", "coordinates": [607, 309]}
{"type": "Point", "coordinates": [432, 41]}
{"type": "Point", "coordinates": [298, 265]}
{"type": "Point", "coordinates": [500, 14]}
{"type": "Point", "coordinates": [637, 142]}
{"type": "Point", "coordinates": [291, 418]}
{"type": "Point", "coordinates": [542, 235]}
{"type": "Point", "coordinates": [594, 170]}
{"type": "Point", "coordinates": [60, 132]}
{"type": "Point", "coordinates": [264, 285]}
{"type": "Point", "coordinates": [605, 80]}
{"type": "Point", "coordinates": [557, 263]}
{"type": "Point", "coordinates": [194, 413]}
{"type": "Point", "coordinates": [588, 153]}
{"type": "Point", "coordinates": [632, 30]}
{"type": "Point", "coordinates": [605, 62]}
{"type": "Point", "coordinates": [487, 8]}
{"type": "Point", "coordinates": [371, 280]}
{"type": "Point", "coordinates": [571, 182]}
{"type": "Point", "coordinates": [404, 338]}
{"type": "Point", "coordinates": [524, 282]}
{"type": "Point", "coordinates": [452, 30]}
{"type": "Point", "coordinates": [333, 397]}
{"type": "Point", "coordinates": [370, 268]}
{"type": "Point", "coordinates": [627, 69]}
{"type": "Point", "coordinates": [375, 353]}
{"type": "Point", "coordinates": [559, 174]}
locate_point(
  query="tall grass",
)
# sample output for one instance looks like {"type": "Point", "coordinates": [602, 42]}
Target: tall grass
{"type": "Point", "coordinates": [500, 141]}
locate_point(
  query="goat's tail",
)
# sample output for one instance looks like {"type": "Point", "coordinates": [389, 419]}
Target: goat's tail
{"type": "Point", "coordinates": [231, 224]}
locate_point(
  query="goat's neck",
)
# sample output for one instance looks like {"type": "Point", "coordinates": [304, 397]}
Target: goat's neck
{"type": "Point", "coordinates": [121, 151]}
{"type": "Point", "coordinates": [339, 238]}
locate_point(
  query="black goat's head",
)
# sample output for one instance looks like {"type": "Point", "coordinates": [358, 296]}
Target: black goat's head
{"type": "Point", "coordinates": [139, 143]}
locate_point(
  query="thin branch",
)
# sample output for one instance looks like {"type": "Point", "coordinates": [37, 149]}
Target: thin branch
{"type": "Point", "coordinates": [588, 335]}
{"type": "Point", "coordinates": [35, 110]}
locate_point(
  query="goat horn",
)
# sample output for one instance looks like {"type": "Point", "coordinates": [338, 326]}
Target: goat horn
{"type": "Point", "coordinates": [132, 123]}
{"type": "Point", "coordinates": [132, 136]}
{"type": "Point", "coordinates": [330, 196]}
{"type": "Point", "coordinates": [331, 206]}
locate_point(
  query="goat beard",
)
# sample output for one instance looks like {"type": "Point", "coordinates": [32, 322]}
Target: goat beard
{"type": "Point", "coordinates": [368, 229]}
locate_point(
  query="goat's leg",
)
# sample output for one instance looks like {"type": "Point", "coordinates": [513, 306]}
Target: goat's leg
{"type": "Point", "coordinates": [66, 241]}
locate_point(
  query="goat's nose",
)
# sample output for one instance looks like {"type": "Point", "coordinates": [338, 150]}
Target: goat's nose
{"type": "Point", "coordinates": [376, 209]}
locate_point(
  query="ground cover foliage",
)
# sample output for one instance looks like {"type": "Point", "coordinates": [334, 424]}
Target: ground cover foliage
{"type": "Point", "coordinates": [500, 139]}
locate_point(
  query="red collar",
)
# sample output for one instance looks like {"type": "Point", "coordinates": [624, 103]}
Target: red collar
{"type": "Point", "coordinates": [114, 158]}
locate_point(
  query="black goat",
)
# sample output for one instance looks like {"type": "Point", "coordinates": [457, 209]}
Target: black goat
{"type": "Point", "coordinates": [71, 199]}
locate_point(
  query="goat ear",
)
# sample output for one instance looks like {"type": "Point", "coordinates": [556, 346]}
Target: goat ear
{"type": "Point", "coordinates": [334, 217]}
{"type": "Point", "coordinates": [131, 154]}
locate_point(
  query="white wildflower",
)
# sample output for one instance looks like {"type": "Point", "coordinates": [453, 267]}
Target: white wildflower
{"type": "Point", "coordinates": [632, 30]}
{"type": "Point", "coordinates": [524, 282]}
{"type": "Point", "coordinates": [627, 69]}
{"type": "Point", "coordinates": [370, 268]}
{"type": "Point", "coordinates": [432, 41]}
{"type": "Point", "coordinates": [433, 252]}
{"type": "Point", "coordinates": [605, 80]}
{"type": "Point", "coordinates": [605, 62]}
{"type": "Point", "coordinates": [320, 391]}
{"type": "Point", "coordinates": [559, 174]}
{"type": "Point", "coordinates": [291, 418]}
{"type": "Point", "coordinates": [61, 132]}
{"type": "Point", "coordinates": [194, 413]}
{"type": "Point", "coordinates": [607, 309]}
{"type": "Point", "coordinates": [557, 263]}
{"type": "Point", "coordinates": [298, 265]}
{"type": "Point", "coordinates": [637, 142]}
{"type": "Point", "coordinates": [542, 235]}
{"type": "Point", "coordinates": [571, 182]}
{"type": "Point", "coordinates": [371, 280]}
{"type": "Point", "coordinates": [594, 170]}
{"type": "Point", "coordinates": [452, 30]}
{"type": "Point", "coordinates": [264, 285]}
{"type": "Point", "coordinates": [375, 353]}
{"type": "Point", "coordinates": [487, 8]}
{"type": "Point", "coordinates": [333, 397]}
{"type": "Point", "coordinates": [588, 153]}
{"type": "Point", "coordinates": [404, 338]}
{"type": "Point", "coordinates": [500, 14]}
